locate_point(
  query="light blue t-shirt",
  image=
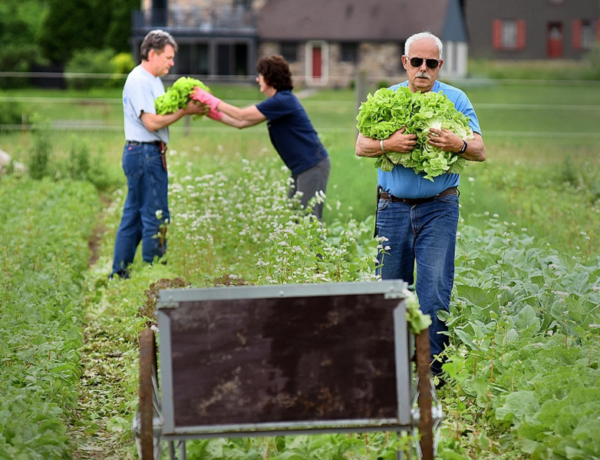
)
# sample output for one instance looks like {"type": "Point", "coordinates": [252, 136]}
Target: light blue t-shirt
{"type": "Point", "coordinates": [140, 91]}
{"type": "Point", "coordinates": [405, 182]}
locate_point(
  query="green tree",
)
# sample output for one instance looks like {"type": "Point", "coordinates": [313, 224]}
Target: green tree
{"type": "Point", "coordinates": [73, 25]}
{"type": "Point", "coordinates": [119, 29]}
{"type": "Point", "coordinates": [20, 23]}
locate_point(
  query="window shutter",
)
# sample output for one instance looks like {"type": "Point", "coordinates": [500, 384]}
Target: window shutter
{"type": "Point", "coordinates": [577, 34]}
{"type": "Point", "coordinates": [497, 34]}
{"type": "Point", "coordinates": [520, 34]}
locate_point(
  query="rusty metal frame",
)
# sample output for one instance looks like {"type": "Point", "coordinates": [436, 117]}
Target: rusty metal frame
{"type": "Point", "coordinates": [407, 417]}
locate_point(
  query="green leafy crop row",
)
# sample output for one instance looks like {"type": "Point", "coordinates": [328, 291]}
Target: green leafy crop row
{"type": "Point", "coordinates": [525, 365]}
{"type": "Point", "coordinates": [45, 228]}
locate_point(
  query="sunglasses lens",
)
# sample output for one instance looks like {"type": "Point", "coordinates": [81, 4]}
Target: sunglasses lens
{"type": "Point", "coordinates": [418, 62]}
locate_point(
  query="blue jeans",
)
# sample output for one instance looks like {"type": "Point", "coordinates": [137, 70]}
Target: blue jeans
{"type": "Point", "coordinates": [147, 188]}
{"type": "Point", "coordinates": [426, 234]}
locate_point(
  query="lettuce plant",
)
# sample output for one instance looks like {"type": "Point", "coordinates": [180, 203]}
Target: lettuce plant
{"type": "Point", "coordinates": [178, 95]}
{"type": "Point", "coordinates": [387, 111]}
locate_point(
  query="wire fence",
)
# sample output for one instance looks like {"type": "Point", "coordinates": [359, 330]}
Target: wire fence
{"type": "Point", "coordinates": [344, 105]}
{"type": "Point", "coordinates": [251, 79]}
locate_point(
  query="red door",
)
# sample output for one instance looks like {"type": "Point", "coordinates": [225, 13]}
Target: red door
{"type": "Point", "coordinates": [316, 62]}
{"type": "Point", "coordinates": [555, 40]}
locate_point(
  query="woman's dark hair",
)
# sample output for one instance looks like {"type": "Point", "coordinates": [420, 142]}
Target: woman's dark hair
{"type": "Point", "coordinates": [276, 72]}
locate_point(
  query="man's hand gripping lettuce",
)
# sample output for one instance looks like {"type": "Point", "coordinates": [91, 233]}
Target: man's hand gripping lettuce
{"type": "Point", "coordinates": [178, 95]}
{"type": "Point", "coordinates": [387, 111]}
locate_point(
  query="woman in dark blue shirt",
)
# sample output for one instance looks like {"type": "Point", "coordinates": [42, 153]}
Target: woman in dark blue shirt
{"type": "Point", "coordinates": [290, 129]}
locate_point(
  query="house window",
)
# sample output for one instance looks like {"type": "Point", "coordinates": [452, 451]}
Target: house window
{"type": "Point", "coordinates": [349, 52]}
{"type": "Point", "coordinates": [289, 51]}
{"type": "Point", "coordinates": [588, 36]}
{"type": "Point", "coordinates": [508, 34]}
{"type": "Point", "coordinates": [243, 3]}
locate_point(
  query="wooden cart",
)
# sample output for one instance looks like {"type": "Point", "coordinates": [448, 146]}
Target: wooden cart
{"type": "Point", "coordinates": [283, 360]}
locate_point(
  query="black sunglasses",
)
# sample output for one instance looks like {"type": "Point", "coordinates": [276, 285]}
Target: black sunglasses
{"type": "Point", "coordinates": [418, 62]}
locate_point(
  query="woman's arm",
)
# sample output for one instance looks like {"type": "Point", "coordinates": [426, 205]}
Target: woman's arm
{"type": "Point", "coordinates": [240, 124]}
{"type": "Point", "coordinates": [250, 115]}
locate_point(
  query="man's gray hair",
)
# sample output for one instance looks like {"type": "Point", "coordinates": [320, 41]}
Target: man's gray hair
{"type": "Point", "coordinates": [156, 40]}
{"type": "Point", "coordinates": [421, 36]}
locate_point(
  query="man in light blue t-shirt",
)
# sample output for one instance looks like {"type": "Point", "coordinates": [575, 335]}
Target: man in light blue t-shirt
{"type": "Point", "coordinates": [417, 219]}
{"type": "Point", "coordinates": [147, 134]}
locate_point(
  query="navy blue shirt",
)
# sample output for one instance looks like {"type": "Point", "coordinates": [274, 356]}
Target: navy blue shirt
{"type": "Point", "coordinates": [292, 134]}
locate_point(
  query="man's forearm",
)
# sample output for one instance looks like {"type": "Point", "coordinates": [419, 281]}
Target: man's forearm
{"type": "Point", "coordinates": [367, 147]}
{"type": "Point", "coordinates": [475, 149]}
{"type": "Point", "coordinates": [154, 122]}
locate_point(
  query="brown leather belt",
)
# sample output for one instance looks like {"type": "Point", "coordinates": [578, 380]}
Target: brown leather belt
{"type": "Point", "coordinates": [160, 144]}
{"type": "Point", "coordinates": [162, 147]}
{"type": "Point", "coordinates": [388, 197]}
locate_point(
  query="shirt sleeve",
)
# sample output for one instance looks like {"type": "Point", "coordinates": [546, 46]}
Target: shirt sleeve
{"type": "Point", "coordinates": [275, 107]}
{"type": "Point", "coordinates": [141, 95]}
{"type": "Point", "coordinates": [463, 104]}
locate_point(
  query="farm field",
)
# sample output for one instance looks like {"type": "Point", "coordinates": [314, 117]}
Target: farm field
{"type": "Point", "coordinates": [523, 369]}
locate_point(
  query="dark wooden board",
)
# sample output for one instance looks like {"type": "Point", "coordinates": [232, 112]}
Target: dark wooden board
{"type": "Point", "coordinates": [283, 360]}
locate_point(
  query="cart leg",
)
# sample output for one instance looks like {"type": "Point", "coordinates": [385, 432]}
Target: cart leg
{"type": "Point", "coordinates": [425, 396]}
{"type": "Point", "coordinates": [146, 393]}
{"type": "Point", "coordinates": [399, 453]}
{"type": "Point", "coordinates": [182, 450]}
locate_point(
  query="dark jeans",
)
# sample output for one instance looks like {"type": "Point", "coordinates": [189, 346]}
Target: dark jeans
{"type": "Point", "coordinates": [147, 187]}
{"type": "Point", "coordinates": [310, 182]}
{"type": "Point", "coordinates": [426, 234]}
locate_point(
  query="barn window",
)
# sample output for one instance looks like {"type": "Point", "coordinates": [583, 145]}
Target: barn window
{"type": "Point", "coordinates": [289, 51]}
{"type": "Point", "coordinates": [349, 52]}
{"type": "Point", "coordinates": [508, 34]}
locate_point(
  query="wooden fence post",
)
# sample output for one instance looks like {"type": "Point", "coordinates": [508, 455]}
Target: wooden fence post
{"type": "Point", "coordinates": [360, 90]}
{"type": "Point", "coordinates": [425, 396]}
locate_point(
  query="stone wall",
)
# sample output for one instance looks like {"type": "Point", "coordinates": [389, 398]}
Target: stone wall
{"type": "Point", "coordinates": [381, 61]}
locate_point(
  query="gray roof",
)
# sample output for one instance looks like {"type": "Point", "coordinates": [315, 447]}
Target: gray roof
{"type": "Point", "coordinates": [354, 20]}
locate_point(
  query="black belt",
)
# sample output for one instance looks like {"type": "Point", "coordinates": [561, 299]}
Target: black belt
{"type": "Point", "coordinates": [157, 143]}
{"type": "Point", "coordinates": [412, 201]}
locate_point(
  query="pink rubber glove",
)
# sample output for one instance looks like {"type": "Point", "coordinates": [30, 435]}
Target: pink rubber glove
{"type": "Point", "coordinates": [206, 98]}
{"type": "Point", "coordinates": [215, 114]}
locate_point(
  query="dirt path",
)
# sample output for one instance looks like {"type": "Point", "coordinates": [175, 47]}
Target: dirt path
{"type": "Point", "coordinates": [96, 429]}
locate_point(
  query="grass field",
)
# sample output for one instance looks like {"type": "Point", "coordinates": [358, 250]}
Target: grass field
{"type": "Point", "coordinates": [534, 132]}
{"type": "Point", "coordinates": [524, 364]}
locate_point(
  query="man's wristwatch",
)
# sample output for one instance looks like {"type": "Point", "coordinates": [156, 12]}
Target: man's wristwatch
{"type": "Point", "coordinates": [463, 149]}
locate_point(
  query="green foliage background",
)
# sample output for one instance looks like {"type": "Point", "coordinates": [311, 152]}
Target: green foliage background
{"type": "Point", "coordinates": [72, 25]}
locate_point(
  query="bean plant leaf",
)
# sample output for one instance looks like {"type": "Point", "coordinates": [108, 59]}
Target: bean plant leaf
{"type": "Point", "coordinates": [387, 111]}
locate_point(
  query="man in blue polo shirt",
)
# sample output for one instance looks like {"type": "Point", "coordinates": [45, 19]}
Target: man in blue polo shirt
{"type": "Point", "coordinates": [292, 134]}
{"type": "Point", "coordinates": [417, 219]}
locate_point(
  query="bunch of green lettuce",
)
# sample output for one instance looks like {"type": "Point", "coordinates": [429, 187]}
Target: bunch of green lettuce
{"type": "Point", "coordinates": [387, 111]}
{"type": "Point", "coordinates": [178, 95]}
